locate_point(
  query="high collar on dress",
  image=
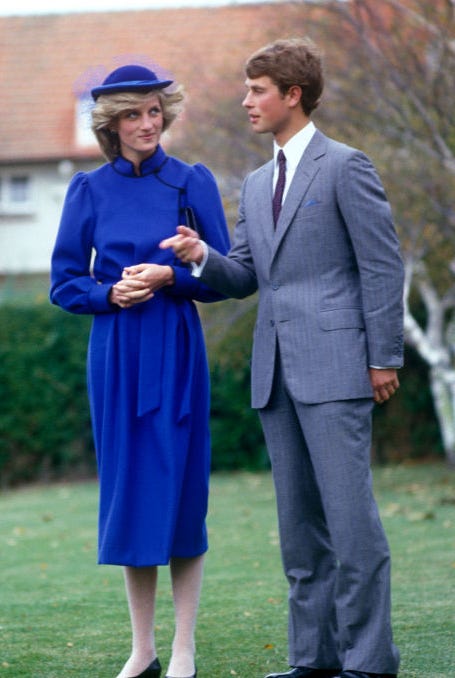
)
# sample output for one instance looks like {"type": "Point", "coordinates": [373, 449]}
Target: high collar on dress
{"type": "Point", "coordinates": [150, 165]}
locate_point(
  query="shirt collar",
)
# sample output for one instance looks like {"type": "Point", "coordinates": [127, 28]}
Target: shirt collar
{"type": "Point", "coordinates": [295, 147]}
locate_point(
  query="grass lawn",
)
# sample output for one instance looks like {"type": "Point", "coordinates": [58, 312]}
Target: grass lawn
{"type": "Point", "coordinates": [61, 615]}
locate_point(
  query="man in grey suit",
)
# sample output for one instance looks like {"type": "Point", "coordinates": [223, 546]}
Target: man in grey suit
{"type": "Point", "coordinates": [328, 339]}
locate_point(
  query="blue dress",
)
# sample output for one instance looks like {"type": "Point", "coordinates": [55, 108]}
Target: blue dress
{"type": "Point", "coordinates": [148, 380]}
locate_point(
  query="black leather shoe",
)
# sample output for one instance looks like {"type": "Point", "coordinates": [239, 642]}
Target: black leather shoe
{"type": "Point", "coordinates": [304, 672]}
{"type": "Point", "coordinates": [363, 674]}
{"type": "Point", "coordinates": [152, 671]}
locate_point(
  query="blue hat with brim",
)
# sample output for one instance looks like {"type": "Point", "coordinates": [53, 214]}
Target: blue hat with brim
{"type": "Point", "coordinates": [130, 79]}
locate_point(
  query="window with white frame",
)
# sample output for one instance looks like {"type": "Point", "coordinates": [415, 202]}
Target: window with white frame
{"type": "Point", "coordinates": [83, 121]}
{"type": "Point", "coordinates": [15, 193]}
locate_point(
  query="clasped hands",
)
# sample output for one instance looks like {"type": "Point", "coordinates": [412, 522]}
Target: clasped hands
{"type": "Point", "coordinates": [140, 282]}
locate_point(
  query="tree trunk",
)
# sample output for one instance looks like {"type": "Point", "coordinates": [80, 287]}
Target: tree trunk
{"type": "Point", "coordinates": [442, 382]}
{"type": "Point", "coordinates": [433, 346]}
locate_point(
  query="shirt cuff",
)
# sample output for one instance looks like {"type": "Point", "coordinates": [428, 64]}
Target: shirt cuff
{"type": "Point", "coordinates": [376, 367]}
{"type": "Point", "coordinates": [198, 268]}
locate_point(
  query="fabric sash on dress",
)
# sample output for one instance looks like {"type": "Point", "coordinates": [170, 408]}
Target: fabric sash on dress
{"type": "Point", "coordinates": [166, 340]}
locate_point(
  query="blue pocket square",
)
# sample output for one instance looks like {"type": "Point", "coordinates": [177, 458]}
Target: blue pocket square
{"type": "Point", "coordinates": [311, 202]}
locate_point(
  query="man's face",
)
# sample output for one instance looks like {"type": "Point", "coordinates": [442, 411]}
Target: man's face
{"type": "Point", "coordinates": [268, 109]}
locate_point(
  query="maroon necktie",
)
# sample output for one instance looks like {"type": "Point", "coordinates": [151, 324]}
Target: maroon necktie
{"type": "Point", "coordinates": [279, 188]}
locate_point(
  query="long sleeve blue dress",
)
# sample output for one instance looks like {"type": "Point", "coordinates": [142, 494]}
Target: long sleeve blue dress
{"type": "Point", "coordinates": [147, 372]}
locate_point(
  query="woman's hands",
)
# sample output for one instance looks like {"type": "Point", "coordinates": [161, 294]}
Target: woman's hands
{"type": "Point", "coordinates": [139, 283]}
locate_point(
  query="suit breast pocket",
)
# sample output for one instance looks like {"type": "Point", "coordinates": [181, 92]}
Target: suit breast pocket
{"type": "Point", "coordinates": [310, 203]}
{"type": "Point", "coordinates": [312, 212]}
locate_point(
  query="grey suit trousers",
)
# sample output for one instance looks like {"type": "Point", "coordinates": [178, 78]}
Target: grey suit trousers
{"type": "Point", "coordinates": [335, 553]}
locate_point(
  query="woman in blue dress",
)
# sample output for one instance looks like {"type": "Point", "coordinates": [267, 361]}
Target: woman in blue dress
{"type": "Point", "coordinates": [147, 371]}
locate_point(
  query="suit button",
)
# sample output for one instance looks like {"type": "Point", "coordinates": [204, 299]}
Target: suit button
{"type": "Point", "coordinates": [272, 323]}
{"type": "Point", "coordinates": [275, 286]}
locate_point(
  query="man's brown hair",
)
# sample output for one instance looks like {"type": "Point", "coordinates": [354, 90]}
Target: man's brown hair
{"type": "Point", "coordinates": [296, 61]}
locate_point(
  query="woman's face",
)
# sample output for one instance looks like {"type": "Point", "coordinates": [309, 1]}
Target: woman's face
{"type": "Point", "coordinates": [139, 130]}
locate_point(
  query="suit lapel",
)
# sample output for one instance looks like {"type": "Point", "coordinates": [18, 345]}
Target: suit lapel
{"type": "Point", "coordinates": [304, 175]}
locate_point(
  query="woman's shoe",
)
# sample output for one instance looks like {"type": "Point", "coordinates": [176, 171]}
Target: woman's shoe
{"type": "Point", "coordinates": [152, 671]}
{"type": "Point", "coordinates": [193, 676]}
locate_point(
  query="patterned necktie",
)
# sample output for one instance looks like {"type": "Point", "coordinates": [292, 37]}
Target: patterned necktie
{"type": "Point", "coordinates": [279, 188]}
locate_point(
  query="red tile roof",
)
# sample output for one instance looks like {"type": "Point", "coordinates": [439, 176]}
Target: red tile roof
{"type": "Point", "coordinates": [43, 57]}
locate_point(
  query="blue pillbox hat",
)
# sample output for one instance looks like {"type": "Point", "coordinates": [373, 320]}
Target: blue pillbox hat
{"type": "Point", "coordinates": [130, 78]}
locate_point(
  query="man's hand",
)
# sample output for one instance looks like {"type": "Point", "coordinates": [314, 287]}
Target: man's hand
{"type": "Point", "coordinates": [186, 245]}
{"type": "Point", "coordinates": [384, 383]}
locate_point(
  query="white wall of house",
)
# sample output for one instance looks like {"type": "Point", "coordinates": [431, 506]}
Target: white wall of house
{"type": "Point", "coordinates": [28, 227]}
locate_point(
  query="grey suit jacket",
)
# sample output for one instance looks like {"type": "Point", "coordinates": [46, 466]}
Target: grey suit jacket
{"type": "Point", "coordinates": [330, 277]}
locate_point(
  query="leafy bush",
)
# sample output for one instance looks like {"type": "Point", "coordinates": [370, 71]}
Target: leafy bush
{"type": "Point", "coordinates": [237, 440]}
{"type": "Point", "coordinates": [44, 416]}
{"type": "Point", "coordinates": [406, 427]}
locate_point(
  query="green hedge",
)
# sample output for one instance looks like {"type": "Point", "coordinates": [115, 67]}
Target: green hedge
{"type": "Point", "coordinates": [237, 440]}
{"type": "Point", "coordinates": [44, 420]}
{"type": "Point", "coordinates": [45, 428]}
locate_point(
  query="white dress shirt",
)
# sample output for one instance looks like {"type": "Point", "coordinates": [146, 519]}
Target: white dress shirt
{"type": "Point", "coordinates": [293, 150]}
